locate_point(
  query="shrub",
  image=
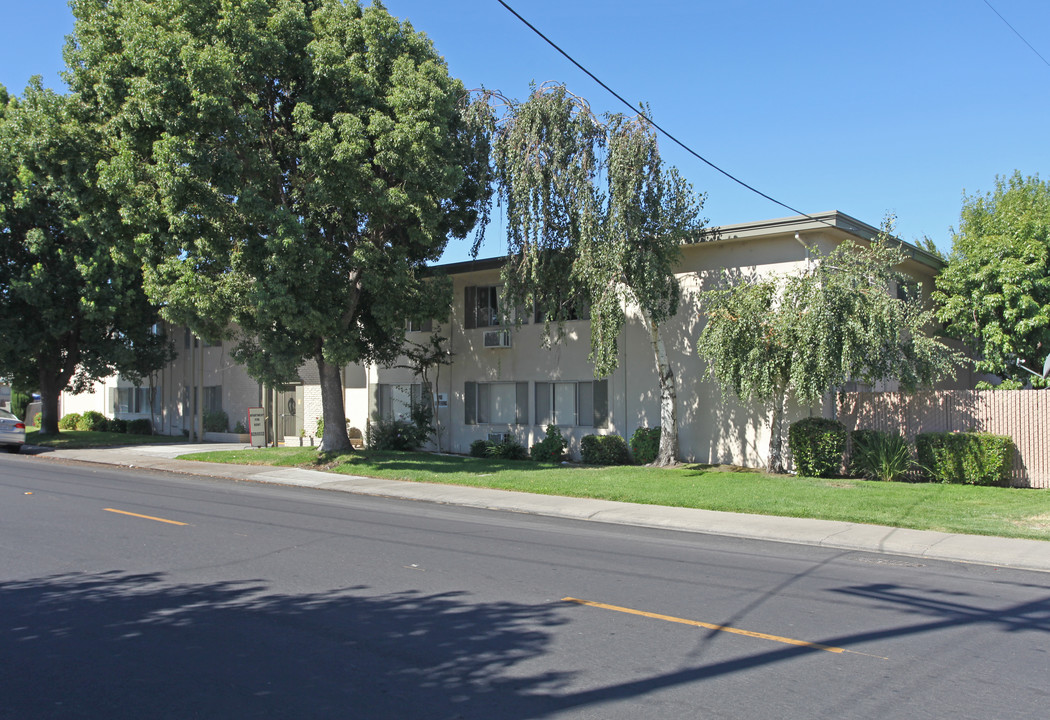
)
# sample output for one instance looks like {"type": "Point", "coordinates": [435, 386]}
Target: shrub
{"type": "Point", "coordinates": [353, 433]}
{"type": "Point", "coordinates": [969, 458]}
{"type": "Point", "coordinates": [645, 444]}
{"type": "Point", "coordinates": [880, 455]}
{"type": "Point", "coordinates": [37, 418]}
{"type": "Point", "coordinates": [480, 448]}
{"type": "Point", "coordinates": [117, 425]}
{"type": "Point", "coordinates": [143, 426]}
{"type": "Point", "coordinates": [92, 420]}
{"type": "Point", "coordinates": [422, 416]}
{"type": "Point", "coordinates": [507, 450]}
{"type": "Point", "coordinates": [817, 446]}
{"type": "Point", "coordinates": [394, 435]}
{"type": "Point", "coordinates": [69, 421]}
{"type": "Point", "coordinates": [550, 448]}
{"type": "Point", "coordinates": [604, 450]}
{"type": "Point", "coordinates": [319, 432]}
{"type": "Point", "coordinates": [19, 403]}
{"type": "Point", "coordinates": [216, 421]}
{"type": "Point", "coordinates": [239, 428]}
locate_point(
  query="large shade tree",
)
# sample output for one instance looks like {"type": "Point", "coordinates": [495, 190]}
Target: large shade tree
{"type": "Point", "coordinates": [290, 165]}
{"type": "Point", "coordinates": [72, 307]}
{"type": "Point", "coordinates": [995, 293]}
{"type": "Point", "coordinates": [772, 339]}
{"type": "Point", "coordinates": [594, 216]}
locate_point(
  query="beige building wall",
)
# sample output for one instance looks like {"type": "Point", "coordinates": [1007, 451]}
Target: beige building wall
{"type": "Point", "coordinates": [196, 365]}
{"type": "Point", "coordinates": [711, 429]}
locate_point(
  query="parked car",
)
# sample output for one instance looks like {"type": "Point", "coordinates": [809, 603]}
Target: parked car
{"type": "Point", "coordinates": [12, 431]}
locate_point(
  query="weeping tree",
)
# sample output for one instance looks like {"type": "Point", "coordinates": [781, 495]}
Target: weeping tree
{"type": "Point", "coordinates": [594, 216]}
{"type": "Point", "coordinates": [290, 167]}
{"type": "Point", "coordinates": [774, 338]}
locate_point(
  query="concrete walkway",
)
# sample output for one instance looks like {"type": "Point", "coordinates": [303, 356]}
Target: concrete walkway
{"type": "Point", "coordinates": [1004, 552]}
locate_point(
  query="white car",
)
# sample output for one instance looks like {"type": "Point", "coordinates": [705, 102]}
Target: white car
{"type": "Point", "coordinates": [12, 431]}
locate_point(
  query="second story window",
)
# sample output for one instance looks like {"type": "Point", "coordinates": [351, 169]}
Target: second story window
{"type": "Point", "coordinates": [481, 306]}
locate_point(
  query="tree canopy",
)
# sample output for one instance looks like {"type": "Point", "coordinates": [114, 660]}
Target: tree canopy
{"type": "Point", "coordinates": [71, 304]}
{"type": "Point", "coordinates": [995, 293]}
{"type": "Point", "coordinates": [594, 217]}
{"type": "Point", "coordinates": [800, 336]}
{"type": "Point", "coordinates": [289, 166]}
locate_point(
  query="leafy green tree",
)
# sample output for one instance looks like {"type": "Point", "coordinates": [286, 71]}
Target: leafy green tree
{"type": "Point", "coordinates": [72, 307]}
{"type": "Point", "coordinates": [595, 217]}
{"type": "Point", "coordinates": [774, 338]}
{"type": "Point", "coordinates": [995, 293]}
{"type": "Point", "coordinates": [290, 167]}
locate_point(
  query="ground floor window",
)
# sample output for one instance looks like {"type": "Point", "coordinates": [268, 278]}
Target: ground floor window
{"type": "Point", "coordinates": [567, 404]}
{"type": "Point", "coordinates": [132, 400]}
{"type": "Point", "coordinates": [212, 398]}
{"type": "Point", "coordinates": [395, 401]}
{"type": "Point", "coordinates": [496, 403]}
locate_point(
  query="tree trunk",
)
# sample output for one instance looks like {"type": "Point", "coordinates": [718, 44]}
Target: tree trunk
{"type": "Point", "coordinates": [332, 409]}
{"type": "Point", "coordinates": [53, 380]}
{"type": "Point", "coordinates": [776, 434]}
{"type": "Point", "coordinates": [51, 386]}
{"type": "Point", "coordinates": [668, 452]}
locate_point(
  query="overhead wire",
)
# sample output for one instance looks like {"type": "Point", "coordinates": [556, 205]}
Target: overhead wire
{"type": "Point", "coordinates": [1016, 32]}
{"type": "Point", "coordinates": [656, 125]}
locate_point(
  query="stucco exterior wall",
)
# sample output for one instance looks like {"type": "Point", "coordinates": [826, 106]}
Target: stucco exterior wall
{"type": "Point", "coordinates": [194, 366]}
{"type": "Point", "coordinates": [711, 429]}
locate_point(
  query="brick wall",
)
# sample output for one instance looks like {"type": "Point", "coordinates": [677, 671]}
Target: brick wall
{"type": "Point", "coordinates": [1024, 415]}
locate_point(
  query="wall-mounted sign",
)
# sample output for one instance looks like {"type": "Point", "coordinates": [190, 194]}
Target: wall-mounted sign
{"type": "Point", "coordinates": [442, 399]}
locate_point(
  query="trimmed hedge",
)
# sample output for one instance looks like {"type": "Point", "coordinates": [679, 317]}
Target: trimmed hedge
{"type": "Point", "coordinates": [117, 425]}
{"type": "Point", "coordinates": [550, 448]}
{"type": "Point", "coordinates": [217, 421]}
{"type": "Point", "coordinates": [508, 450]}
{"type": "Point", "coordinates": [817, 446]}
{"type": "Point", "coordinates": [604, 450]}
{"type": "Point", "coordinates": [645, 444]}
{"type": "Point", "coordinates": [69, 421]}
{"type": "Point", "coordinates": [967, 458]}
{"type": "Point", "coordinates": [140, 426]}
{"type": "Point", "coordinates": [94, 421]}
{"type": "Point", "coordinates": [20, 403]}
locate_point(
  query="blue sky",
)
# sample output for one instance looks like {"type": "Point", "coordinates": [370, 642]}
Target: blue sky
{"type": "Point", "coordinates": [864, 107]}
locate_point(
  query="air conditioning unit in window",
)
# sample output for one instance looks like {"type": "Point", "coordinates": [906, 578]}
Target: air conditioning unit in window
{"type": "Point", "coordinates": [497, 338]}
{"type": "Point", "coordinates": [498, 438]}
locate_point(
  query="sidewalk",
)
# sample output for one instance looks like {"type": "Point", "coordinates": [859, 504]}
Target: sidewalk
{"type": "Point", "coordinates": [980, 549]}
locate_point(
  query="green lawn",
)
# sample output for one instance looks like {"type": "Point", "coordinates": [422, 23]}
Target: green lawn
{"type": "Point", "coordinates": [71, 439]}
{"type": "Point", "coordinates": [1004, 512]}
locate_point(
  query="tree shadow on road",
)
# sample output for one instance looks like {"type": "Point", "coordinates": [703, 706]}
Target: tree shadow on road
{"type": "Point", "coordinates": [121, 645]}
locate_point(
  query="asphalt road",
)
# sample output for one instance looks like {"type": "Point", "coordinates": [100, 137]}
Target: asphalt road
{"type": "Point", "coordinates": [131, 594]}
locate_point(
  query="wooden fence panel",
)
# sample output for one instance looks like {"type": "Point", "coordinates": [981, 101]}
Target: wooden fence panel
{"type": "Point", "coordinates": [1024, 415]}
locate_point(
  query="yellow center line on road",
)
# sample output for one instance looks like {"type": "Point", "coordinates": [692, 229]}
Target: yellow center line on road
{"type": "Point", "coordinates": [711, 626]}
{"type": "Point", "coordinates": [145, 517]}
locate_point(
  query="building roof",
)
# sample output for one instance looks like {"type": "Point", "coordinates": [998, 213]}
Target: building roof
{"type": "Point", "coordinates": [822, 221]}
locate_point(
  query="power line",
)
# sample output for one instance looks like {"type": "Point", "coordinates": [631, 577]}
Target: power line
{"type": "Point", "coordinates": [652, 122]}
{"type": "Point", "coordinates": [1016, 33]}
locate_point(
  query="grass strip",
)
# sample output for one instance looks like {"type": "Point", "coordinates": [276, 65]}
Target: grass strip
{"type": "Point", "coordinates": [76, 439]}
{"type": "Point", "coordinates": [1004, 512]}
